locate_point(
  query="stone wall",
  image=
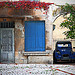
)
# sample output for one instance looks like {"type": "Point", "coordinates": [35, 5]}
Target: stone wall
{"type": "Point", "coordinates": [20, 55]}
{"type": "Point", "coordinates": [19, 41]}
{"type": "Point", "coordinates": [19, 36]}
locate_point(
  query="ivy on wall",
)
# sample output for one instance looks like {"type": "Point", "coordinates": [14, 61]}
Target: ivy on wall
{"type": "Point", "coordinates": [25, 5]}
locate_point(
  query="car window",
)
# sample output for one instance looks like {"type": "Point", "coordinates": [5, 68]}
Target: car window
{"type": "Point", "coordinates": [63, 45]}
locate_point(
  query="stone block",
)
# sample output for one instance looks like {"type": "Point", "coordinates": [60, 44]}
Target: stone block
{"type": "Point", "coordinates": [40, 59]}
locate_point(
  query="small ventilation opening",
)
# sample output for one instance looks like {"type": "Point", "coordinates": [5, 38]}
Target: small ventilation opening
{"type": "Point", "coordinates": [7, 25]}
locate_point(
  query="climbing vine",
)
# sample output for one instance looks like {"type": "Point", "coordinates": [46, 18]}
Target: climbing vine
{"type": "Point", "coordinates": [25, 5]}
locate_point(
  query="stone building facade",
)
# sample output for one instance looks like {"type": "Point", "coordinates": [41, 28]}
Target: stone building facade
{"type": "Point", "coordinates": [12, 28]}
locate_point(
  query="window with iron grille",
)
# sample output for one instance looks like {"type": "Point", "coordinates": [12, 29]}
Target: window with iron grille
{"type": "Point", "coordinates": [7, 25]}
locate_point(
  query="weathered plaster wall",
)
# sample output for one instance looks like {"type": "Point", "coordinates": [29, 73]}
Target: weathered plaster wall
{"type": "Point", "coordinates": [49, 27]}
{"type": "Point", "coordinates": [40, 59]}
{"type": "Point", "coordinates": [20, 48]}
{"type": "Point", "coordinates": [19, 41]}
{"type": "Point", "coordinates": [19, 36]}
{"type": "Point", "coordinates": [58, 32]}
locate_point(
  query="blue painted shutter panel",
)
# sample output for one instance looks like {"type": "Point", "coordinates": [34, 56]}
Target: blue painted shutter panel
{"type": "Point", "coordinates": [34, 36]}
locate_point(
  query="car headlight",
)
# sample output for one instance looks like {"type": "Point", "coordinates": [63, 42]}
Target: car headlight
{"type": "Point", "coordinates": [58, 51]}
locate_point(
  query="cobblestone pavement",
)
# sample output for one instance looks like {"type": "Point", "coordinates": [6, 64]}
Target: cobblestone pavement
{"type": "Point", "coordinates": [36, 69]}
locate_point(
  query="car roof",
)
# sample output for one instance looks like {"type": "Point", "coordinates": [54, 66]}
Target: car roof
{"type": "Point", "coordinates": [63, 42]}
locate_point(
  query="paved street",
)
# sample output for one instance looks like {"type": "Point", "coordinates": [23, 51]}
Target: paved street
{"type": "Point", "coordinates": [36, 69]}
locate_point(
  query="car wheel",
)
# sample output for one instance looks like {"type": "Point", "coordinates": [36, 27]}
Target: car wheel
{"type": "Point", "coordinates": [54, 59]}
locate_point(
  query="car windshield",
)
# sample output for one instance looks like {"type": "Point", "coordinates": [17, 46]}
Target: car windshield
{"type": "Point", "coordinates": [63, 45]}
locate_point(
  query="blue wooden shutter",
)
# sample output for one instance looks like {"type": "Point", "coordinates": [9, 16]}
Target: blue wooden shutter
{"type": "Point", "coordinates": [34, 36]}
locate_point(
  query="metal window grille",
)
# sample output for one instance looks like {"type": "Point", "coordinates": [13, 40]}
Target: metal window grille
{"type": "Point", "coordinates": [7, 25]}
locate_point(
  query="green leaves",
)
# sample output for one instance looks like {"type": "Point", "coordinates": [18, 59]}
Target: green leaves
{"type": "Point", "coordinates": [69, 21]}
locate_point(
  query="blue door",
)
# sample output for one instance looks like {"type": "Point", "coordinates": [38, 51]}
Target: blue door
{"type": "Point", "coordinates": [34, 36]}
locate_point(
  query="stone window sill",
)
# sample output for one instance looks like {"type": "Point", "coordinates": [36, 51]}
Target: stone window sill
{"type": "Point", "coordinates": [36, 53]}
